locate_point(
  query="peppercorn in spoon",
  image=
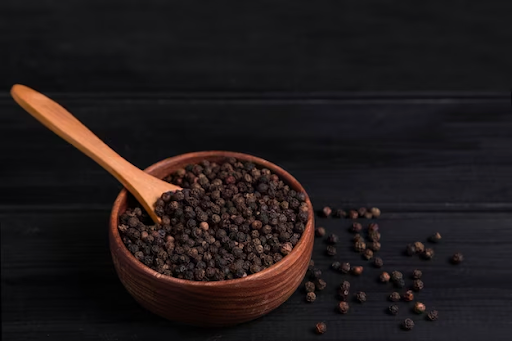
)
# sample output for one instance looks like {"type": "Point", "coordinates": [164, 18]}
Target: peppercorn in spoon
{"type": "Point", "coordinates": [146, 188]}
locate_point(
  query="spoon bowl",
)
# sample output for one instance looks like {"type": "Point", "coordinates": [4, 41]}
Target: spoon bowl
{"type": "Point", "coordinates": [219, 303]}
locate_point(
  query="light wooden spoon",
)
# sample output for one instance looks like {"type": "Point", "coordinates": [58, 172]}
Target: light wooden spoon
{"type": "Point", "coordinates": [146, 188]}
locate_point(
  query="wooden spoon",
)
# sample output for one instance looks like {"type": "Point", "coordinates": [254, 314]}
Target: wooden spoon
{"type": "Point", "coordinates": [146, 188]}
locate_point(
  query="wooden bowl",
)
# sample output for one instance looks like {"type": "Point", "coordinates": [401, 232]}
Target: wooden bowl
{"type": "Point", "coordinates": [218, 303]}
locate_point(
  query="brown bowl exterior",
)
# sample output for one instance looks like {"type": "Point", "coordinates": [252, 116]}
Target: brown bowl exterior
{"type": "Point", "coordinates": [219, 303]}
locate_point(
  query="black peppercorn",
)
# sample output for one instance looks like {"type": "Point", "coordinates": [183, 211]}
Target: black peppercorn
{"type": "Point", "coordinates": [384, 277]}
{"type": "Point", "coordinates": [320, 284]}
{"type": "Point", "coordinates": [326, 211]}
{"type": "Point", "coordinates": [345, 286]}
{"type": "Point", "coordinates": [368, 254]}
{"type": "Point", "coordinates": [332, 239]}
{"type": "Point", "coordinates": [417, 285]}
{"type": "Point", "coordinates": [358, 238]}
{"type": "Point", "coordinates": [362, 211]}
{"type": "Point", "coordinates": [315, 273]}
{"type": "Point", "coordinates": [343, 307]}
{"type": "Point", "coordinates": [394, 297]}
{"type": "Point", "coordinates": [419, 247]}
{"type": "Point", "coordinates": [345, 267]}
{"type": "Point", "coordinates": [416, 274]}
{"type": "Point", "coordinates": [373, 227]}
{"type": "Point", "coordinates": [432, 315]}
{"type": "Point", "coordinates": [339, 213]}
{"type": "Point", "coordinates": [396, 275]}
{"type": "Point", "coordinates": [357, 270]}
{"type": "Point", "coordinates": [408, 324]}
{"type": "Point", "coordinates": [319, 231]}
{"type": "Point", "coordinates": [368, 215]}
{"type": "Point", "coordinates": [352, 214]}
{"type": "Point", "coordinates": [343, 295]}
{"type": "Point", "coordinates": [375, 212]}
{"type": "Point", "coordinates": [457, 258]}
{"type": "Point", "coordinates": [393, 309]}
{"type": "Point", "coordinates": [375, 246]}
{"type": "Point", "coordinates": [378, 262]}
{"type": "Point", "coordinates": [374, 236]}
{"type": "Point", "coordinates": [408, 296]}
{"type": "Point", "coordinates": [320, 328]}
{"type": "Point", "coordinates": [360, 296]}
{"type": "Point", "coordinates": [356, 227]}
{"type": "Point", "coordinates": [330, 250]}
{"type": "Point", "coordinates": [400, 283]}
{"type": "Point", "coordinates": [419, 308]}
{"type": "Point", "coordinates": [435, 238]}
{"type": "Point", "coordinates": [336, 266]}
{"type": "Point", "coordinates": [360, 246]}
{"type": "Point", "coordinates": [310, 297]}
{"type": "Point", "coordinates": [428, 253]}
{"type": "Point", "coordinates": [309, 286]}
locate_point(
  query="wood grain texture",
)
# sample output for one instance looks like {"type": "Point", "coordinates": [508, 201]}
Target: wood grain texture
{"type": "Point", "coordinates": [284, 46]}
{"type": "Point", "coordinates": [147, 189]}
{"type": "Point", "coordinates": [431, 164]}
{"type": "Point", "coordinates": [221, 303]}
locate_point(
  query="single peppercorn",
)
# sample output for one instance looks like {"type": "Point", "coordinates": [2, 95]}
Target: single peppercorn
{"type": "Point", "coordinates": [416, 274]}
{"type": "Point", "coordinates": [410, 250]}
{"type": "Point", "coordinates": [330, 250]}
{"type": "Point", "coordinates": [394, 297]}
{"type": "Point", "coordinates": [373, 227]}
{"type": "Point", "coordinates": [343, 307]}
{"type": "Point", "coordinates": [360, 296]}
{"type": "Point", "coordinates": [432, 315]}
{"type": "Point", "coordinates": [378, 262]}
{"type": "Point", "coordinates": [320, 328]}
{"type": "Point", "coordinates": [374, 236]}
{"type": "Point", "coordinates": [309, 286]}
{"type": "Point", "coordinates": [320, 232]}
{"type": "Point", "coordinates": [375, 212]}
{"type": "Point", "coordinates": [326, 211]}
{"type": "Point", "coordinates": [343, 295]}
{"type": "Point", "coordinates": [393, 309]}
{"type": "Point", "coordinates": [356, 227]}
{"type": "Point", "coordinates": [396, 275]}
{"type": "Point", "coordinates": [336, 266]}
{"type": "Point", "coordinates": [320, 284]}
{"type": "Point", "coordinates": [368, 254]}
{"type": "Point", "coordinates": [419, 308]}
{"type": "Point", "coordinates": [332, 239]}
{"type": "Point", "coordinates": [428, 253]}
{"type": "Point", "coordinates": [352, 214]}
{"type": "Point", "coordinates": [408, 296]}
{"type": "Point", "coordinates": [399, 283]}
{"type": "Point", "coordinates": [419, 247]}
{"type": "Point", "coordinates": [358, 238]}
{"type": "Point", "coordinates": [457, 258]}
{"type": "Point", "coordinates": [310, 297]}
{"type": "Point", "coordinates": [417, 285]}
{"type": "Point", "coordinates": [375, 246]}
{"type": "Point", "coordinates": [362, 211]}
{"type": "Point", "coordinates": [435, 238]}
{"type": "Point", "coordinates": [315, 273]}
{"type": "Point", "coordinates": [345, 285]}
{"type": "Point", "coordinates": [384, 277]}
{"type": "Point", "coordinates": [357, 270]}
{"type": "Point", "coordinates": [339, 213]}
{"type": "Point", "coordinates": [345, 267]}
{"type": "Point", "coordinates": [360, 246]}
{"type": "Point", "coordinates": [408, 324]}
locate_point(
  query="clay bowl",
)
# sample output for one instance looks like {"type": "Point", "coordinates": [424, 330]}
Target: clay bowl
{"type": "Point", "coordinates": [219, 303]}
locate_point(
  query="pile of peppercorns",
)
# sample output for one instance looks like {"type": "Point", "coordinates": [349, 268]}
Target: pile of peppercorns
{"type": "Point", "coordinates": [230, 220]}
{"type": "Point", "coordinates": [367, 243]}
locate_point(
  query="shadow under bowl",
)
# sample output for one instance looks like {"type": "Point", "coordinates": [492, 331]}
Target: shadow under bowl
{"type": "Point", "coordinates": [210, 304]}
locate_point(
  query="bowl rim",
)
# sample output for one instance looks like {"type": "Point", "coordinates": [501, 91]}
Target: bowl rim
{"type": "Point", "coordinates": [300, 247]}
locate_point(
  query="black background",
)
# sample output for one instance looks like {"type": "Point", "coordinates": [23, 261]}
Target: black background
{"type": "Point", "coordinates": [296, 83]}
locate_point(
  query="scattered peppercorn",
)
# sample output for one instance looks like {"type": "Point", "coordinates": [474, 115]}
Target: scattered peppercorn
{"type": "Point", "coordinates": [339, 213]}
{"type": "Point", "coordinates": [377, 262]}
{"type": "Point", "coordinates": [315, 273]}
{"type": "Point", "coordinates": [310, 297]}
{"type": "Point", "coordinates": [353, 214]}
{"type": "Point", "coordinates": [394, 297]}
{"type": "Point", "coordinates": [416, 274]}
{"type": "Point", "coordinates": [435, 238]}
{"type": "Point", "coordinates": [358, 238]}
{"type": "Point", "coordinates": [320, 232]}
{"type": "Point", "coordinates": [326, 211]}
{"type": "Point", "coordinates": [368, 254]}
{"type": "Point", "coordinates": [410, 250]}
{"type": "Point", "coordinates": [399, 283]}
{"type": "Point", "coordinates": [408, 296]}
{"type": "Point", "coordinates": [384, 277]}
{"type": "Point", "coordinates": [343, 307]}
{"type": "Point", "coordinates": [361, 296]}
{"type": "Point", "coordinates": [375, 246]}
{"type": "Point", "coordinates": [320, 284]}
{"type": "Point", "coordinates": [408, 324]}
{"type": "Point", "coordinates": [345, 285]}
{"type": "Point", "coordinates": [374, 236]}
{"type": "Point", "coordinates": [368, 215]}
{"type": "Point", "coordinates": [396, 275]}
{"type": "Point", "coordinates": [375, 212]}
{"type": "Point", "coordinates": [357, 270]}
{"type": "Point", "coordinates": [343, 294]}
{"type": "Point", "coordinates": [419, 308]}
{"type": "Point", "coordinates": [362, 211]}
{"type": "Point", "coordinates": [432, 315]}
{"type": "Point", "coordinates": [330, 250]}
{"type": "Point", "coordinates": [393, 309]}
{"type": "Point", "coordinates": [332, 239]}
{"type": "Point", "coordinates": [457, 258]}
{"type": "Point", "coordinates": [336, 266]}
{"type": "Point", "coordinates": [356, 227]}
{"type": "Point", "coordinates": [419, 247]}
{"type": "Point", "coordinates": [360, 246]}
{"type": "Point", "coordinates": [345, 267]}
{"type": "Point", "coordinates": [320, 328]}
{"type": "Point", "coordinates": [373, 227]}
{"type": "Point", "coordinates": [417, 285]}
{"type": "Point", "coordinates": [309, 286]}
{"type": "Point", "coordinates": [428, 253]}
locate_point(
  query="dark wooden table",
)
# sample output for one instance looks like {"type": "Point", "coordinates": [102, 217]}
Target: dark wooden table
{"type": "Point", "coordinates": [431, 163]}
